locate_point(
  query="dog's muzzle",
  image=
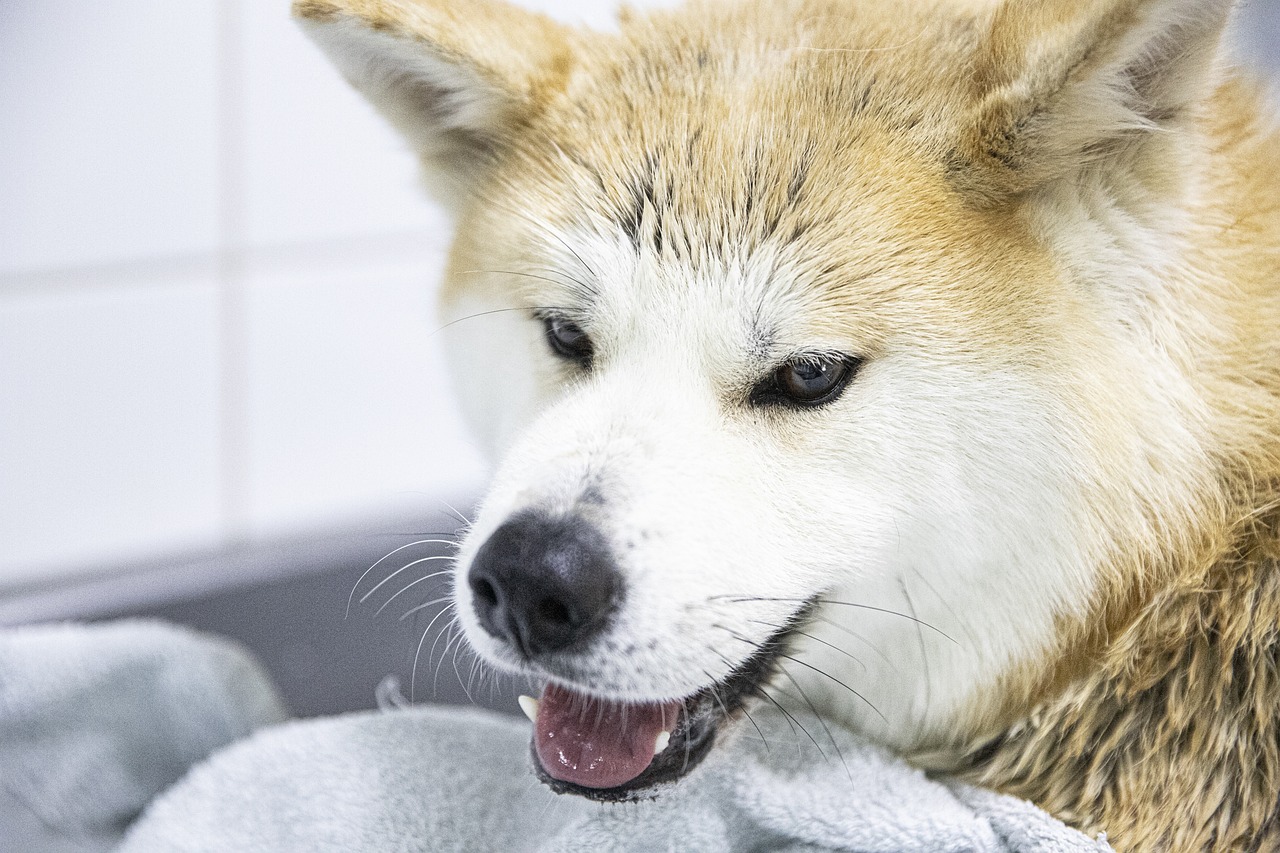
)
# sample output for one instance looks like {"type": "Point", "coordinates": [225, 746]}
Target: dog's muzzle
{"type": "Point", "coordinates": [546, 588]}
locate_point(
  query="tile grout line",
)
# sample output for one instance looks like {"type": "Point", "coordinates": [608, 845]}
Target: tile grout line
{"type": "Point", "coordinates": [232, 332]}
{"type": "Point", "coordinates": [373, 249]}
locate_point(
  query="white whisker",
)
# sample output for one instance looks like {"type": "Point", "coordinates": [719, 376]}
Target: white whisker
{"type": "Point", "coordinates": [433, 602]}
{"type": "Point", "coordinates": [405, 589]}
{"type": "Point", "coordinates": [466, 522]}
{"type": "Point", "coordinates": [413, 676]}
{"type": "Point", "coordinates": [384, 558]}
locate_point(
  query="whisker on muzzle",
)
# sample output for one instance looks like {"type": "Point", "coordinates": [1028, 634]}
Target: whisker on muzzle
{"type": "Point", "coordinates": [816, 639]}
{"type": "Point", "coordinates": [388, 556]}
{"type": "Point", "coordinates": [411, 585]}
{"type": "Point", "coordinates": [743, 599]}
{"type": "Point", "coordinates": [453, 631]}
{"type": "Point", "coordinates": [826, 674]}
{"type": "Point", "coordinates": [715, 694]}
{"type": "Point", "coordinates": [413, 675]}
{"type": "Point", "coordinates": [762, 691]}
{"type": "Point", "coordinates": [427, 604]}
{"type": "Point", "coordinates": [466, 522]}
{"type": "Point", "coordinates": [822, 722]}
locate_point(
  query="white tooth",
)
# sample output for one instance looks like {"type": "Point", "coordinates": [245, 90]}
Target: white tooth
{"type": "Point", "coordinates": [664, 738]}
{"type": "Point", "coordinates": [530, 707]}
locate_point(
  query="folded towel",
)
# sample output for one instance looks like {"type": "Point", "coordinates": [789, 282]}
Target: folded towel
{"type": "Point", "coordinates": [440, 780]}
{"type": "Point", "coordinates": [96, 720]}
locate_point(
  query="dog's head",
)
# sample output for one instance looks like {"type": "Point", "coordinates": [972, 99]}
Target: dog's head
{"type": "Point", "coordinates": [819, 344]}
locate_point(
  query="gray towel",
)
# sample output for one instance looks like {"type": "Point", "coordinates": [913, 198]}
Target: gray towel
{"type": "Point", "coordinates": [97, 720]}
{"type": "Point", "coordinates": [440, 780]}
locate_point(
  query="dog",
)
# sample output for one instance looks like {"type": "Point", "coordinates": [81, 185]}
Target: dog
{"type": "Point", "coordinates": [917, 364]}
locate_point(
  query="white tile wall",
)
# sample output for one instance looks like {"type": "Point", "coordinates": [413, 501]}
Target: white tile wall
{"type": "Point", "coordinates": [318, 163]}
{"type": "Point", "coordinates": [109, 428]}
{"type": "Point", "coordinates": [216, 276]}
{"type": "Point", "coordinates": [346, 399]}
{"type": "Point", "coordinates": [107, 132]}
{"type": "Point", "coordinates": [215, 279]}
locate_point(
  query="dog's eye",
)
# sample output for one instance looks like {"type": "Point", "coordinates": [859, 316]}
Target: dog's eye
{"type": "Point", "coordinates": [806, 382]}
{"type": "Point", "coordinates": [568, 341]}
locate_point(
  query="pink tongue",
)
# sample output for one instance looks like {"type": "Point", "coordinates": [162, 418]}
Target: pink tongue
{"type": "Point", "coordinates": [596, 743]}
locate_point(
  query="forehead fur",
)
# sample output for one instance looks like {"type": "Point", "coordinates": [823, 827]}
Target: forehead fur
{"type": "Point", "coordinates": [729, 115]}
{"type": "Point", "coordinates": [815, 133]}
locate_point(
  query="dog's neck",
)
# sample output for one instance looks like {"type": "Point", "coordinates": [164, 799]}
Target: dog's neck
{"type": "Point", "coordinates": [1171, 735]}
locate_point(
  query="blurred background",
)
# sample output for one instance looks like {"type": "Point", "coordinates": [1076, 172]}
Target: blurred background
{"type": "Point", "coordinates": [221, 400]}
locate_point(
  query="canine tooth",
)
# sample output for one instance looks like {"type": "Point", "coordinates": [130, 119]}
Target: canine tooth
{"type": "Point", "coordinates": [530, 707]}
{"type": "Point", "coordinates": [660, 744]}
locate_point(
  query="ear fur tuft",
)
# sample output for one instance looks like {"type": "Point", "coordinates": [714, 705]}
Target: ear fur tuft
{"type": "Point", "coordinates": [1060, 83]}
{"type": "Point", "coordinates": [457, 77]}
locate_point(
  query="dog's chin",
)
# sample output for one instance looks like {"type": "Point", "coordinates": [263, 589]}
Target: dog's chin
{"type": "Point", "coordinates": [698, 721]}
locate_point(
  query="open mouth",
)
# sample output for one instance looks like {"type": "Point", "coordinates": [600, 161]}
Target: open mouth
{"type": "Point", "coordinates": [614, 751]}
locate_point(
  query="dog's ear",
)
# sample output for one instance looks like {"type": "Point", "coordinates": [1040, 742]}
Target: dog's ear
{"type": "Point", "coordinates": [1059, 84]}
{"type": "Point", "coordinates": [457, 77]}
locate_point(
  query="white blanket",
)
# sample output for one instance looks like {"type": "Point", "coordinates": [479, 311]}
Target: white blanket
{"type": "Point", "coordinates": [97, 720]}
{"type": "Point", "coordinates": [428, 778]}
{"type": "Point", "coordinates": [433, 779]}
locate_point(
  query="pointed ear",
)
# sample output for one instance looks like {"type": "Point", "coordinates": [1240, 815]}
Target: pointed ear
{"type": "Point", "coordinates": [1062, 83]}
{"type": "Point", "coordinates": [457, 77]}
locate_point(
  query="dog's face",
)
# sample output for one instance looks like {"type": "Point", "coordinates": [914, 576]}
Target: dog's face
{"type": "Point", "coordinates": [750, 434]}
{"type": "Point", "coordinates": [787, 395]}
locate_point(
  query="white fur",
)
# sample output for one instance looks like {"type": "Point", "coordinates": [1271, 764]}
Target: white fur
{"type": "Point", "coordinates": [933, 495]}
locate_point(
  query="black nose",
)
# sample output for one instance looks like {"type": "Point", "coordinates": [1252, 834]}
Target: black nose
{"type": "Point", "coordinates": [544, 584]}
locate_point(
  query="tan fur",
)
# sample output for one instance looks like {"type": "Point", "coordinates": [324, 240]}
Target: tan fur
{"type": "Point", "coordinates": [919, 166]}
{"type": "Point", "coordinates": [1166, 732]}
{"type": "Point", "coordinates": [1169, 741]}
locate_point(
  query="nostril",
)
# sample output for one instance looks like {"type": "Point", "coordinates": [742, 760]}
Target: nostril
{"type": "Point", "coordinates": [541, 585]}
{"type": "Point", "coordinates": [484, 591]}
{"type": "Point", "coordinates": [554, 611]}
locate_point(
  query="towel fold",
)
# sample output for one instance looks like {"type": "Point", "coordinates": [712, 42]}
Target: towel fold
{"type": "Point", "coordinates": [449, 780]}
{"type": "Point", "coordinates": [97, 720]}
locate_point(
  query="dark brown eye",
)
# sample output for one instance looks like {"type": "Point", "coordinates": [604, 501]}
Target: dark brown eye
{"type": "Point", "coordinates": [568, 341]}
{"type": "Point", "coordinates": [806, 382]}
